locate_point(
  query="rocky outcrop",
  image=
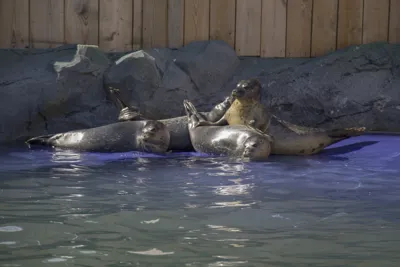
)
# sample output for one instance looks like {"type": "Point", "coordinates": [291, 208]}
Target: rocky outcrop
{"type": "Point", "coordinates": [47, 91]}
{"type": "Point", "coordinates": [160, 79]}
{"type": "Point", "coordinates": [55, 90]}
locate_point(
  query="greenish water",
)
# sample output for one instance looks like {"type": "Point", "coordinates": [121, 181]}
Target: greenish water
{"type": "Point", "coordinates": [67, 209]}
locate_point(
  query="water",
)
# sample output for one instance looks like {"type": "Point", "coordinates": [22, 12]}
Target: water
{"type": "Point", "coordinates": [340, 208]}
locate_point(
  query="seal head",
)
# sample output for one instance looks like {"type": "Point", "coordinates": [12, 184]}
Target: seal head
{"type": "Point", "coordinates": [247, 89]}
{"type": "Point", "coordinates": [154, 137]}
{"type": "Point", "coordinates": [247, 108]}
{"type": "Point", "coordinates": [256, 147]}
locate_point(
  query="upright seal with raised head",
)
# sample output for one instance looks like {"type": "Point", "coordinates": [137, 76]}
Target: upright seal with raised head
{"type": "Point", "coordinates": [246, 108]}
{"type": "Point", "coordinates": [288, 138]}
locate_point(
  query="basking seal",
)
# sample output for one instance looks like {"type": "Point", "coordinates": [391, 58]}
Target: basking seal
{"type": "Point", "coordinates": [288, 138]}
{"type": "Point", "coordinates": [291, 139]}
{"type": "Point", "coordinates": [145, 136]}
{"type": "Point", "coordinates": [246, 109]}
{"type": "Point", "coordinates": [177, 127]}
{"type": "Point", "coordinates": [237, 141]}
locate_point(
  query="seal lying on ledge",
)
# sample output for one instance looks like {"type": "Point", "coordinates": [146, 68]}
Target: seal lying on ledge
{"type": "Point", "coordinates": [144, 136]}
{"type": "Point", "coordinates": [289, 139]}
{"type": "Point", "coordinates": [237, 141]}
{"type": "Point", "coordinates": [177, 127]}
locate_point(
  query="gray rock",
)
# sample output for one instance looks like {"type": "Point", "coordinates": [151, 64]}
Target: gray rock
{"type": "Point", "coordinates": [44, 91]}
{"type": "Point", "coordinates": [160, 79]}
{"type": "Point", "coordinates": [56, 90]}
{"type": "Point", "coordinates": [80, 100]}
{"type": "Point", "coordinates": [356, 86]}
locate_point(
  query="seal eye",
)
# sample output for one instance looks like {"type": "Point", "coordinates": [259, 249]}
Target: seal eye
{"type": "Point", "coordinates": [251, 145]}
{"type": "Point", "coordinates": [151, 129]}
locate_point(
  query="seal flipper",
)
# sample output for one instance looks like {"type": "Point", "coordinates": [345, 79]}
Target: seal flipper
{"type": "Point", "coordinates": [43, 140]}
{"type": "Point", "coordinates": [127, 113]}
{"type": "Point", "coordinates": [116, 96]}
{"type": "Point", "coordinates": [130, 114]}
{"type": "Point", "coordinates": [219, 110]}
{"type": "Point", "coordinates": [346, 132]}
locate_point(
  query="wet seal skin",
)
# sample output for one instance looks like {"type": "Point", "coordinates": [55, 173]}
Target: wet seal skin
{"type": "Point", "coordinates": [178, 126]}
{"type": "Point", "coordinates": [144, 136]}
{"type": "Point", "coordinates": [235, 141]}
{"type": "Point", "coordinates": [288, 138]}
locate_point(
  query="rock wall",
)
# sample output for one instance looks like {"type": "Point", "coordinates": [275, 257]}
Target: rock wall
{"type": "Point", "coordinates": [56, 90]}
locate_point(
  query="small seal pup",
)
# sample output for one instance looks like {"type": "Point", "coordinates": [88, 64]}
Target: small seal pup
{"type": "Point", "coordinates": [238, 141]}
{"type": "Point", "coordinates": [177, 127]}
{"type": "Point", "coordinates": [144, 136]}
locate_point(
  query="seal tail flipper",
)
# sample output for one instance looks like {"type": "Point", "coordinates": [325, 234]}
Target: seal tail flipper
{"type": "Point", "coordinates": [43, 140]}
{"type": "Point", "coordinates": [191, 113]}
{"type": "Point", "coordinates": [130, 114]}
{"type": "Point", "coordinates": [116, 96]}
{"type": "Point", "coordinates": [346, 132]}
{"type": "Point", "coordinates": [190, 108]}
{"type": "Point", "coordinates": [127, 113]}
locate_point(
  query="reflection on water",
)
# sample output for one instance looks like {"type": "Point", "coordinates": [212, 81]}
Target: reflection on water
{"type": "Point", "coordinates": [67, 209]}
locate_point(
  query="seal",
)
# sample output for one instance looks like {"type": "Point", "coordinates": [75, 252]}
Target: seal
{"type": "Point", "coordinates": [291, 139]}
{"type": "Point", "coordinates": [144, 136]}
{"type": "Point", "coordinates": [237, 141]}
{"type": "Point", "coordinates": [246, 109]}
{"type": "Point", "coordinates": [288, 138]}
{"type": "Point", "coordinates": [177, 127]}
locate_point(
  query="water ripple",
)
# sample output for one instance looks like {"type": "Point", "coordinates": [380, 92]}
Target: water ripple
{"type": "Point", "coordinates": [63, 208]}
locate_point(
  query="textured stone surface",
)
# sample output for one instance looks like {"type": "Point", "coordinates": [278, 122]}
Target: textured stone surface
{"type": "Point", "coordinates": [47, 91]}
{"type": "Point", "coordinates": [160, 79]}
{"type": "Point", "coordinates": [55, 90]}
{"type": "Point", "coordinates": [357, 86]}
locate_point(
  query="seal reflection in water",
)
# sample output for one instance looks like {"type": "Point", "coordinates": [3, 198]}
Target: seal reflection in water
{"type": "Point", "coordinates": [144, 136]}
{"type": "Point", "coordinates": [234, 140]}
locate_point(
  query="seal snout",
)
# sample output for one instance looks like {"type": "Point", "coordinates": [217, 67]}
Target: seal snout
{"type": "Point", "coordinates": [151, 128]}
{"type": "Point", "coordinates": [256, 148]}
{"type": "Point", "coordinates": [154, 137]}
{"type": "Point", "coordinates": [238, 92]}
{"type": "Point", "coordinates": [249, 149]}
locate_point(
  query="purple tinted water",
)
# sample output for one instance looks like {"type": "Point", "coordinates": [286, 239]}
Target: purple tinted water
{"type": "Point", "coordinates": [339, 208]}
